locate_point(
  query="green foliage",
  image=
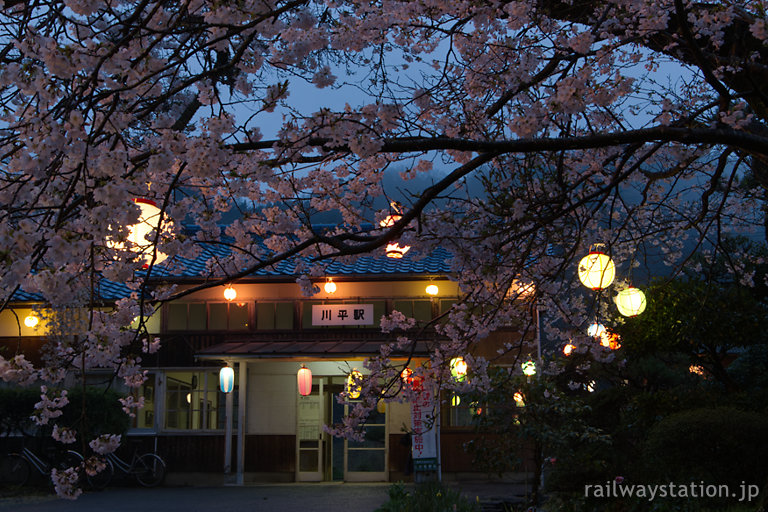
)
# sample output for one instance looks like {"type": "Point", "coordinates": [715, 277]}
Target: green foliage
{"type": "Point", "coordinates": [701, 320]}
{"type": "Point", "coordinates": [103, 412]}
{"type": "Point", "coordinates": [16, 405]}
{"type": "Point", "coordinates": [720, 445]}
{"type": "Point", "coordinates": [427, 497]}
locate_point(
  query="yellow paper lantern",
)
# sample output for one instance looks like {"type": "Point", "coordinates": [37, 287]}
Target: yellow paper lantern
{"type": "Point", "coordinates": [354, 388]}
{"type": "Point", "coordinates": [459, 368]}
{"type": "Point", "coordinates": [139, 233]}
{"type": "Point", "coordinates": [568, 349]}
{"type": "Point", "coordinates": [230, 293]}
{"type": "Point", "coordinates": [630, 301]}
{"type": "Point", "coordinates": [596, 270]}
{"type": "Point", "coordinates": [432, 289]}
{"type": "Point", "coordinates": [330, 286]}
{"type": "Point", "coordinates": [31, 321]}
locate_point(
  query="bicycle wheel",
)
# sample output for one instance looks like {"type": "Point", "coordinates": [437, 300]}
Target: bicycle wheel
{"type": "Point", "coordinates": [14, 470]}
{"type": "Point", "coordinates": [150, 470]}
{"type": "Point", "coordinates": [101, 479]}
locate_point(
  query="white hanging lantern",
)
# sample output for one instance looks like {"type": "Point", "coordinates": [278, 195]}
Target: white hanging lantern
{"type": "Point", "coordinates": [596, 270]}
{"type": "Point", "coordinates": [330, 286]}
{"type": "Point", "coordinates": [596, 330]}
{"type": "Point", "coordinates": [304, 379]}
{"type": "Point", "coordinates": [529, 368]}
{"type": "Point", "coordinates": [432, 290]}
{"type": "Point", "coordinates": [630, 301]}
{"type": "Point", "coordinates": [227, 379]}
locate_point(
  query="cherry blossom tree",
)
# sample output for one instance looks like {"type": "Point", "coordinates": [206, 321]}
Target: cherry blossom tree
{"type": "Point", "coordinates": [639, 124]}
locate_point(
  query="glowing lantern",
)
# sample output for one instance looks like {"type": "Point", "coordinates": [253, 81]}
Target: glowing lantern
{"type": "Point", "coordinates": [407, 375]}
{"type": "Point", "coordinates": [630, 301]}
{"type": "Point", "coordinates": [139, 233]}
{"type": "Point", "coordinates": [227, 379]}
{"type": "Point", "coordinates": [596, 270]}
{"type": "Point", "coordinates": [330, 286]}
{"type": "Point", "coordinates": [568, 349]}
{"type": "Point", "coordinates": [529, 368]}
{"type": "Point", "coordinates": [459, 368]}
{"type": "Point", "coordinates": [596, 330]}
{"type": "Point", "coordinates": [455, 401]}
{"type": "Point", "coordinates": [519, 399]}
{"type": "Point", "coordinates": [353, 384]}
{"type": "Point", "coordinates": [610, 340]}
{"type": "Point", "coordinates": [31, 320]}
{"type": "Point", "coordinates": [230, 293]}
{"type": "Point", "coordinates": [475, 409]}
{"type": "Point", "coordinates": [394, 250]}
{"type": "Point", "coordinates": [432, 289]}
{"type": "Point", "coordinates": [304, 380]}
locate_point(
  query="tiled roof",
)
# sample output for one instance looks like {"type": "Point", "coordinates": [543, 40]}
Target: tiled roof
{"type": "Point", "coordinates": [436, 262]}
{"type": "Point", "coordinates": [107, 291]}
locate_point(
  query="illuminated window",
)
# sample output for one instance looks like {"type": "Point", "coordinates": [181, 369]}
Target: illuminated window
{"type": "Point", "coordinates": [193, 401]}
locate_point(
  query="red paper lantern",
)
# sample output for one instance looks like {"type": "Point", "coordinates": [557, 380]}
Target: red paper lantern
{"type": "Point", "coordinates": [304, 379]}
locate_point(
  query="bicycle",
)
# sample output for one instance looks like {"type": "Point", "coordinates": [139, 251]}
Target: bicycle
{"type": "Point", "coordinates": [16, 468]}
{"type": "Point", "coordinates": [148, 469]}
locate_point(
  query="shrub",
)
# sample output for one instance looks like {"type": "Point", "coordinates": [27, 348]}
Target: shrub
{"type": "Point", "coordinates": [719, 445]}
{"type": "Point", "coordinates": [427, 497]}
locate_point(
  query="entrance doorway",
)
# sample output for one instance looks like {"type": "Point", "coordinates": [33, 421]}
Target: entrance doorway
{"type": "Point", "coordinates": [310, 418]}
{"type": "Point", "coordinates": [321, 457]}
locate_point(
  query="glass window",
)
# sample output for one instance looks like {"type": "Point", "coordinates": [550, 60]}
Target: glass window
{"type": "Point", "coordinates": [197, 319]}
{"type": "Point", "coordinates": [193, 401]}
{"type": "Point", "coordinates": [177, 317]}
{"type": "Point", "coordinates": [217, 316]}
{"type": "Point", "coordinates": [238, 317]}
{"type": "Point", "coordinates": [368, 455]}
{"type": "Point", "coordinates": [421, 310]}
{"type": "Point", "coordinates": [445, 306]}
{"type": "Point", "coordinates": [145, 417]}
{"type": "Point", "coordinates": [463, 412]}
{"type": "Point", "coordinates": [274, 315]}
{"type": "Point", "coordinates": [265, 315]}
{"type": "Point", "coordinates": [284, 315]}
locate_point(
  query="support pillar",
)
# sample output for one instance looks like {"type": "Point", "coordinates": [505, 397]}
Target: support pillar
{"type": "Point", "coordinates": [241, 400]}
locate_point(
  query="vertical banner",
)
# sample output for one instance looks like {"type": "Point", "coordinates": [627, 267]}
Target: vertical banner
{"type": "Point", "coordinates": [424, 437]}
